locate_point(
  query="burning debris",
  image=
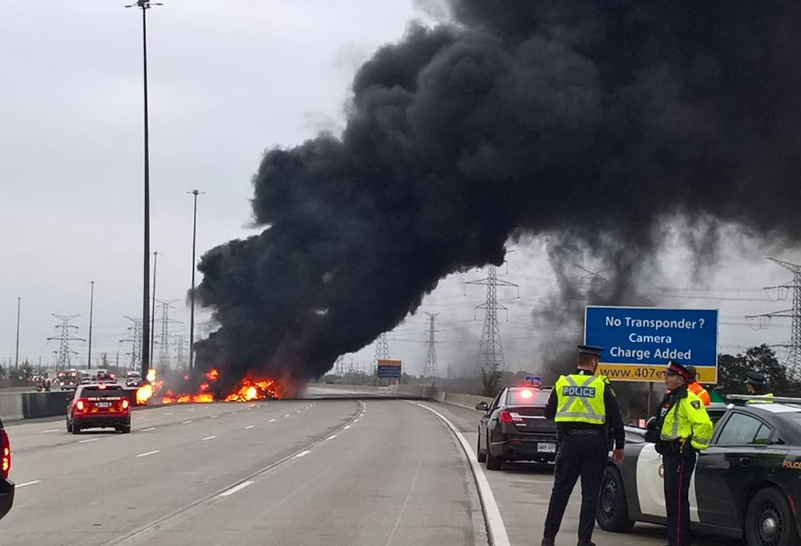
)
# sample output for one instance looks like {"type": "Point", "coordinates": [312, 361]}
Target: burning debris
{"type": "Point", "coordinates": [247, 390]}
{"type": "Point", "coordinates": [594, 122]}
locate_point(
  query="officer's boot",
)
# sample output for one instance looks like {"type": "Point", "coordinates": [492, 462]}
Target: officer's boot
{"type": "Point", "coordinates": [548, 542]}
{"type": "Point", "coordinates": [584, 543]}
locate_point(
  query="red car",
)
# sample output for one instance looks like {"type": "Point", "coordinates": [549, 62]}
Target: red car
{"type": "Point", "coordinates": [6, 485]}
{"type": "Point", "coordinates": [99, 406]}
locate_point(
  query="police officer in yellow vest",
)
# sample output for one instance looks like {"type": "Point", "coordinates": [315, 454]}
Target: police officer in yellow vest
{"type": "Point", "coordinates": [756, 385]}
{"type": "Point", "coordinates": [683, 429]}
{"type": "Point", "coordinates": [583, 406]}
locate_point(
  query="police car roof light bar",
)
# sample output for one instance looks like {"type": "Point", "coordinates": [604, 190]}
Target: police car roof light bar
{"type": "Point", "coordinates": [760, 397]}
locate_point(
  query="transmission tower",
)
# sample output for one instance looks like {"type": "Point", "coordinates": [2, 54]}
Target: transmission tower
{"type": "Point", "coordinates": [431, 369]}
{"type": "Point", "coordinates": [792, 359]}
{"type": "Point", "coordinates": [490, 349]}
{"type": "Point", "coordinates": [164, 344]}
{"type": "Point", "coordinates": [381, 349]}
{"type": "Point", "coordinates": [64, 354]}
{"type": "Point", "coordinates": [339, 365]}
{"type": "Point", "coordinates": [135, 338]}
{"type": "Point", "coordinates": [180, 345]}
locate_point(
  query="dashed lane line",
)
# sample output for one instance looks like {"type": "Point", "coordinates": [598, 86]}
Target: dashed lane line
{"type": "Point", "coordinates": [148, 429]}
{"type": "Point", "coordinates": [26, 484]}
{"type": "Point", "coordinates": [249, 426]}
{"type": "Point", "coordinates": [209, 438]}
{"type": "Point", "coordinates": [149, 453]}
{"type": "Point", "coordinates": [236, 488]}
{"type": "Point", "coordinates": [302, 454]}
{"type": "Point", "coordinates": [271, 421]}
{"type": "Point", "coordinates": [87, 440]}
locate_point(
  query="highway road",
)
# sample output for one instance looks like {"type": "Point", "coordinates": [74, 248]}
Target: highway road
{"type": "Point", "coordinates": [300, 473]}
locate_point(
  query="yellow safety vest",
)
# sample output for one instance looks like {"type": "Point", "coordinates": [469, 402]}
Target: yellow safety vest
{"type": "Point", "coordinates": [768, 400]}
{"type": "Point", "coordinates": [688, 420]}
{"type": "Point", "coordinates": [580, 399]}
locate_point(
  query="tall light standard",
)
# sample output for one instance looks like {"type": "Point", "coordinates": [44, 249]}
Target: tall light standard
{"type": "Point", "coordinates": [195, 193]}
{"type": "Point", "coordinates": [91, 314]}
{"type": "Point", "coordinates": [145, 5]}
{"type": "Point", "coordinates": [16, 357]}
{"type": "Point", "coordinates": [153, 318]}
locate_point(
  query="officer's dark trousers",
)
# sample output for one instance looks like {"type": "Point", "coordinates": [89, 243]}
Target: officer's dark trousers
{"type": "Point", "coordinates": [583, 456]}
{"type": "Point", "coordinates": [678, 471]}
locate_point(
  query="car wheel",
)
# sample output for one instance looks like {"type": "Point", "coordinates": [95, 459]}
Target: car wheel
{"type": "Point", "coordinates": [493, 463]}
{"type": "Point", "coordinates": [69, 426]}
{"type": "Point", "coordinates": [613, 510]}
{"type": "Point", "coordinates": [125, 429]}
{"type": "Point", "coordinates": [480, 455]}
{"type": "Point", "coordinates": [76, 429]}
{"type": "Point", "coordinates": [769, 520]}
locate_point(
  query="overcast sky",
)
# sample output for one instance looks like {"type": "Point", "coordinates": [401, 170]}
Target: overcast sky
{"type": "Point", "coordinates": [227, 81]}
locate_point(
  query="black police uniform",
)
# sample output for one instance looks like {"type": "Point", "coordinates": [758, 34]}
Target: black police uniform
{"type": "Point", "coordinates": [583, 451]}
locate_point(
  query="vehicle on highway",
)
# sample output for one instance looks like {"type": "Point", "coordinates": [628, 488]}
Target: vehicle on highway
{"type": "Point", "coordinates": [513, 428]}
{"type": "Point", "coordinates": [6, 485]}
{"type": "Point", "coordinates": [68, 380]}
{"type": "Point", "coordinates": [746, 485]}
{"type": "Point", "coordinates": [132, 379]}
{"type": "Point", "coordinates": [99, 406]}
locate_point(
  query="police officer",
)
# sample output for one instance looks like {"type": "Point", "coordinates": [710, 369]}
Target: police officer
{"type": "Point", "coordinates": [696, 387]}
{"type": "Point", "coordinates": [583, 405]}
{"type": "Point", "coordinates": [684, 428]}
{"type": "Point", "coordinates": [756, 384]}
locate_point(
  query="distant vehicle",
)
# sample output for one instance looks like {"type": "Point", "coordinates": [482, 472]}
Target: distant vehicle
{"type": "Point", "coordinates": [513, 428]}
{"type": "Point", "coordinates": [99, 406]}
{"type": "Point", "coordinates": [746, 485]}
{"type": "Point", "coordinates": [132, 379]}
{"type": "Point", "coordinates": [69, 380]}
{"type": "Point", "coordinates": [6, 485]}
{"type": "Point", "coordinates": [105, 376]}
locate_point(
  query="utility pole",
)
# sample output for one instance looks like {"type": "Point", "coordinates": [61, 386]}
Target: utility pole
{"type": "Point", "coordinates": [63, 360]}
{"type": "Point", "coordinates": [792, 360]}
{"type": "Point", "coordinates": [145, 5]}
{"type": "Point", "coordinates": [16, 357]}
{"type": "Point", "coordinates": [490, 349]}
{"type": "Point", "coordinates": [153, 316]}
{"type": "Point", "coordinates": [431, 369]}
{"type": "Point", "coordinates": [195, 193]}
{"type": "Point", "coordinates": [136, 339]}
{"type": "Point", "coordinates": [91, 312]}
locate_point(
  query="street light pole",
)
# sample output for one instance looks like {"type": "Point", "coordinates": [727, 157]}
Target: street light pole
{"type": "Point", "coordinates": [91, 314]}
{"type": "Point", "coordinates": [192, 293]}
{"type": "Point", "coordinates": [16, 357]}
{"type": "Point", "coordinates": [145, 5]}
{"type": "Point", "coordinates": [153, 333]}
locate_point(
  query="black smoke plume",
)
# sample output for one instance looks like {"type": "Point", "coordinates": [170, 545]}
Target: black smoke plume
{"type": "Point", "coordinates": [594, 121]}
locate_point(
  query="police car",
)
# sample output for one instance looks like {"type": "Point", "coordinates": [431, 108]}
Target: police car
{"type": "Point", "coordinates": [746, 485]}
{"type": "Point", "coordinates": [513, 427]}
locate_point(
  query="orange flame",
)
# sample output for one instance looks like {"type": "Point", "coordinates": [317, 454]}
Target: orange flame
{"type": "Point", "coordinates": [212, 375]}
{"type": "Point", "coordinates": [204, 398]}
{"type": "Point", "coordinates": [143, 394]}
{"type": "Point", "coordinates": [253, 390]}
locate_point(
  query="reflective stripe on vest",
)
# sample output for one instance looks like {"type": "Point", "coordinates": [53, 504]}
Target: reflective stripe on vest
{"type": "Point", "coordinates": [580, 402]}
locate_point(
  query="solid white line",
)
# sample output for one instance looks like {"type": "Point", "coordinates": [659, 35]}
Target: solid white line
{"type": "Point", "coordinates": [26, 484]}
{"type": "Point", "coordinates": [347, 427]}
{"type": "Point", "coordinates": [51, 430]}
{"type": "Point", "coordinates": [236, 488]}
{"type": "Point", "coordinates": [249, 426]}
{"type": "Point", "coordinates": [148, 429]}
{"type": "Point", "coordinates": [331, 437]}
{"type": "Point", "coordinates": [492, 515]}
{"type": "Point", "coordinates": [187, 422]}
{"type": "Point", "coordinates": [302, 454]}
{"type": "Point", "coordinates": [87, 441]}
{"type": "Point", "coordinates": [272, 420]}
{"type": "Point", "coordinates": [149, 453]}
{"type": "Point", "coordinates": [209, 438]}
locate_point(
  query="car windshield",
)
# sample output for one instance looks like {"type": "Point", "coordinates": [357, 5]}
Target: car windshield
{"type": "Point", "coordinates": [527, 397]}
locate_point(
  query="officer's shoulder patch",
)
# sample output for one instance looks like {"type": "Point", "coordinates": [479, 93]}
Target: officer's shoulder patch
{"type": "Point", "coordinates": [696, 404]}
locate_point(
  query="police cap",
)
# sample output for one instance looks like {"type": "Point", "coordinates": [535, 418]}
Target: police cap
{"type": "Point", "coordinates": [678, 369]}
{"type": "Point", "coordinates": [590, 350]}
{"type": "Point", "coordinates": [755, 378]}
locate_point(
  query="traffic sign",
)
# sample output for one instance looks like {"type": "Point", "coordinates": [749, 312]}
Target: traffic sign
{"type": "Point", "coordinates": [389, 368]}
{"type": "Point", "coordinates": [639, 341]}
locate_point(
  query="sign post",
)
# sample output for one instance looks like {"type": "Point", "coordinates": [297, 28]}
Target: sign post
{"type": "Point", "coordinates": [639, 341]}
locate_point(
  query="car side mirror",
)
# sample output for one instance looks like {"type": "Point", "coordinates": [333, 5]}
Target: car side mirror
{"type": "Point", "coordinates": [482, 406]}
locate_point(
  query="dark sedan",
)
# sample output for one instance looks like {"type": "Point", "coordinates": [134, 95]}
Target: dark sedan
{"type": "Point", "coordinates": [746, 485]}
{"type": "Point", "coordinates": [6, 485]}
{"type": "Point", "coordinates": [513, 428]}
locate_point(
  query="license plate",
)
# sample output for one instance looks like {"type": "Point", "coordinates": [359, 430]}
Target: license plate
{"type": "Point", "coordinates": [102, 404]}
{"type": "Point", "coordinates": [546, 447]}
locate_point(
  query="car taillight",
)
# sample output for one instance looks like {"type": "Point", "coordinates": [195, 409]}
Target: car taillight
{"type": "Point", "coordinates": [125, 404]}
{"type": "Point", "coordinates": [80, 405]}
{"type": "Point", "coordinates": [510, 417]}
{"type": "Point", "coordinates": [5, 465]}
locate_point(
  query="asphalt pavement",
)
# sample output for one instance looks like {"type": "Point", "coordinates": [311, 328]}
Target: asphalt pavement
{"type": "Point", "coordinates": [278, 473]}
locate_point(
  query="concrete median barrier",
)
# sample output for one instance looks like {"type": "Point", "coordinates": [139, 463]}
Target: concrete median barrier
{"type": "Point", "coordinates": [11, 406]}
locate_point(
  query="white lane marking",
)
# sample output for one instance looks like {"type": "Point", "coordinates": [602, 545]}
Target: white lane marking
{"type": "Point", "coordinates": [302, 454]}
{"type": "Point", "coordinates": [297, 411]}
{"type": "Point", "coordinates": [356, 421]}
{"type": "Point", "coordinates": [50, 430]}
{"type": "Point", "coordinates": [168, 413]}
{"type": "Point", "coordinates": [149, 453]}
{"type": "Point", "coordinates": [26, 484]}
{"type": "Point", "coordinates": [272, 421]}
{"type": "Point", "coordinates": [87, 440]}
{"type": "Point", "coordinates": [287, 415]}
{"type": "Point", "coordinates": [209, 438]}
{"type": "Point", "coordinates": [138, 418]}
{"type": "Point", "coordinates": [214, 416]}
{"type": "Point", "coordinates": [331, 437]}
{"type": "Point", "coordinates": [148, 429]}
{"type": "Point", "coordinates": [249, 426]}
{"type": "Point", "coordinates": [191, 409]}
{"type": "Point", "coordinates": [492, 515]}
{"type": "Point", "coordinates": [187, 422]}
{"type": "Point", "coordinates": [347, 427]}
{"type": "Point", "coordinates": [236, 488]}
